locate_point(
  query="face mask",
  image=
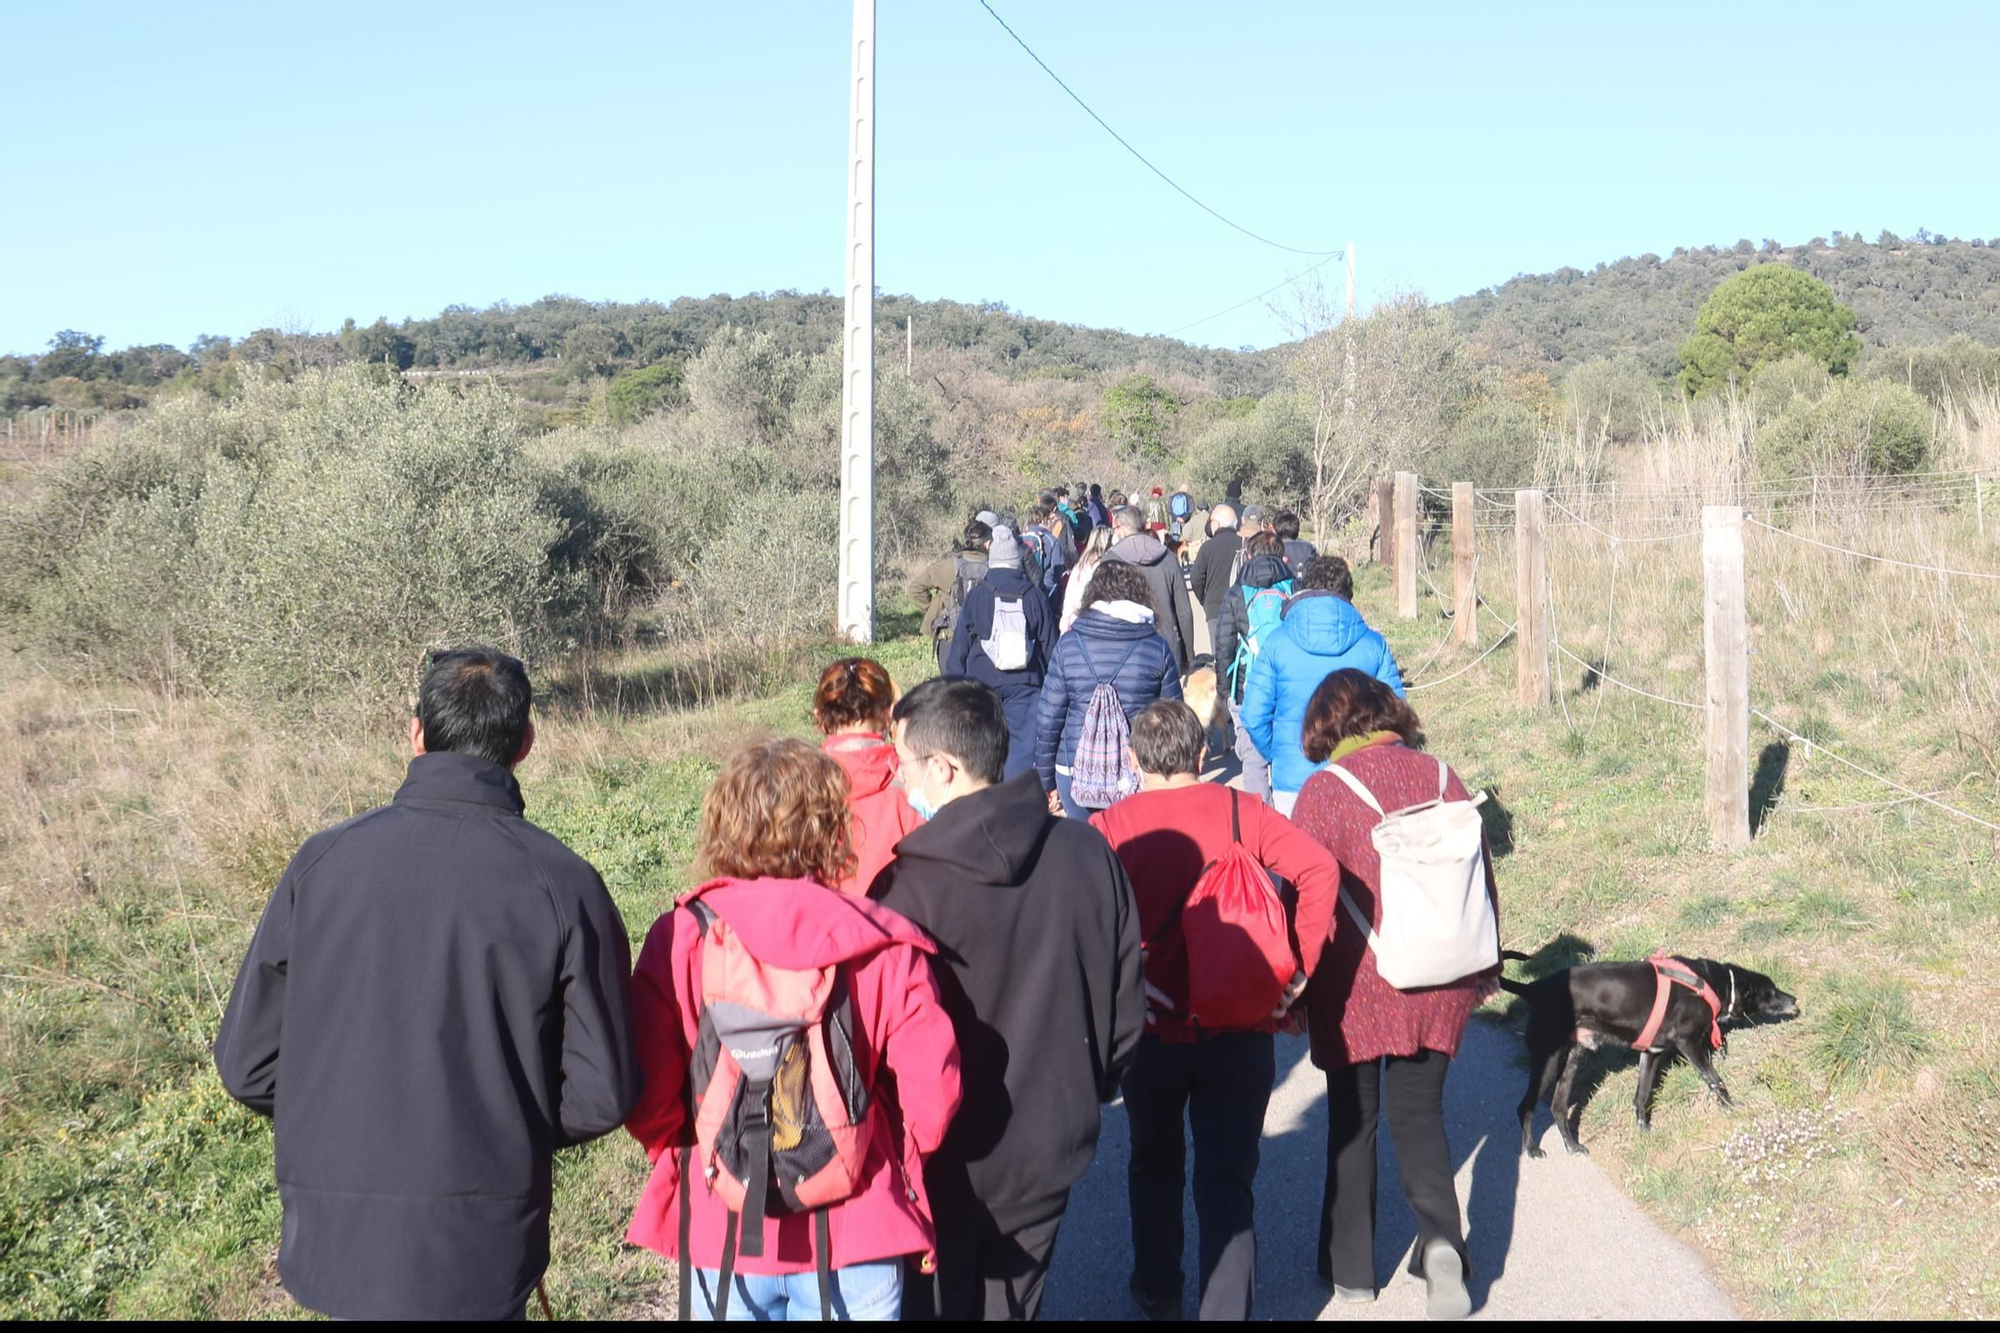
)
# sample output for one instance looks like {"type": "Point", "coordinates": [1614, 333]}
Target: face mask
{"type": "Point", "coordinates": [924, 809]}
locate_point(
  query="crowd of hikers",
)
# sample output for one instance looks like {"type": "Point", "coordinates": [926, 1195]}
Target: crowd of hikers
{"type": "Point", "coordinates": [866, 1056]}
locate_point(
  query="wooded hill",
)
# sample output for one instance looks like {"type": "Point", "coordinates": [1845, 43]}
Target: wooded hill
{"type": "Point", "coordinates": [1906, 292]}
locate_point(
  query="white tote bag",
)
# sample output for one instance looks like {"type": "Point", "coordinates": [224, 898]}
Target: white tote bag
{"type": "Point", "coordinates": [1437, 916]}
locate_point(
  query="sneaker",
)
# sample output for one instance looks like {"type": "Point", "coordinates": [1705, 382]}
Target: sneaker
{"type": "Point", "coordinates": [1157, 1309]}
{"type": "Point", "coordinates": [1353, 1295]}
{"type": "Point", "coordinates": [1444, 1280]}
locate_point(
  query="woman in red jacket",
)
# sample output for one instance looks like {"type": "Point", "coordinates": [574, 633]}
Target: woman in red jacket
{"type": "Point", "coordinates": [1166, 835]}
{"type": "Point", "coordinates": [775, 833]}
{"type": "Point", "coordinates": [1375, 1042]}
{"type": "Point", "coordinates": [852, 708]}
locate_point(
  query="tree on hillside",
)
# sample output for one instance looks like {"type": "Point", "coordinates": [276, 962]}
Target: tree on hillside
{"type": "Point", "coordinates": [1136, 412]}
{"type": "Point", "coordinates": [1761, 315]}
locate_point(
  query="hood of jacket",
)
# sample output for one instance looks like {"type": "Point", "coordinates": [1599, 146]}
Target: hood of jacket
{"type": "Point", "coordinates": [991, 837]}
{"type": "Point", "coordinates": [1323, 623]}
{"type": "Point", "coordinates": [1099, 624]}
{"type": "Point", "coordinates": [1265, 570]}
{"type": "Point", "coordinates": [1141, 548]}
{"type": "Point", "coordinates": [870, 761]}
{"type": "Point", "coordinates": [796, 923]}
{"type": "Point", "coordinates": [1009, 582]}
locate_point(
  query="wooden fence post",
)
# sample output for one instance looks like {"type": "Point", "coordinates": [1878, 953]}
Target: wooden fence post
{"type": "Point", "coordinates": [1385, 522]}
{"type": "Point", "coordinates": [1531, 600]}
{"type": "Point", "coordinates": [1725, 637]}
{"type": "Point", "coordinates": [1464, 562]}
{"type": "Point", "coordinates": [1406, 545]}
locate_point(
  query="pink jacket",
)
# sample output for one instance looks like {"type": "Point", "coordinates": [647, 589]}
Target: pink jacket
{"type": "Point", "coordinates": [882, 814]}
{"type": "Point", "coordinates": [797, 923]}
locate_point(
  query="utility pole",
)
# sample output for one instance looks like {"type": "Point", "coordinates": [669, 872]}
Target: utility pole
{"type": "Point", "coordinates": [857, 358]}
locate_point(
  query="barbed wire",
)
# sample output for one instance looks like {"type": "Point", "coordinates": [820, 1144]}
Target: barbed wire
{"type": "Point", "coordinates": [1909, 792]}
{"type": "Point", "coordinates": [1865, 555]}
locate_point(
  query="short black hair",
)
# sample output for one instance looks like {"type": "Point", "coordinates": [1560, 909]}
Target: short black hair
{"type": "Point", "coordinates": [475, 701]}
{"type": "Point", "coordinates": [1327, 573]}
{"type": "Point", "coordinates": [959, 717]}
{"type": "Point", "coordinates": [1286, 525]}
{"type": "Point", "coordinates": [977, 535]}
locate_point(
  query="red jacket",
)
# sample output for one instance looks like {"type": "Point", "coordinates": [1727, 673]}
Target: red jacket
{"type": "Point", "coordinates": [882, 814]}
{"type": "Point", "coordinates": [797, 923]}
{"type": "Point", "coordinates": [1165, 838]}
{"type": "Point", "coordinates": [1355, 1016]}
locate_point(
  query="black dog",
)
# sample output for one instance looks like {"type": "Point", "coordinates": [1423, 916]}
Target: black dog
{"type": "Point", "coordinates": [1595, 1002]}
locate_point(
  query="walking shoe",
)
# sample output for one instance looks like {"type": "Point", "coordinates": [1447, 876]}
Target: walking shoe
{"type": "Point", "coordinates": [1444, 1280]}
{"type": "Point", "coordinates": [1353, 1295]}
{"type": "Point", "coordinates": [1158, 1309]}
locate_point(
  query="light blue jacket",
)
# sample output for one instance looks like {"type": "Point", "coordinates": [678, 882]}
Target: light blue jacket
{"type": "Point", "coordinates": [1322, 634]}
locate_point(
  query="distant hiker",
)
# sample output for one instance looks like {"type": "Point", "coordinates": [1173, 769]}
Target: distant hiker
{"type": "Point", "coordinates": [1099, 514]}
{"type": "Point", "coordinates": [1220, 956]}
{"type": "Point", "coordinates": [1156, 513]}
{"type": "Point", "coordinates": [1322, 633]}
{"type": "Point", "coordinates": [1076, 512]}
{"type": "Point", "coordinates": [1378, 1044]}
{"type": "Point", "coordinates": [1180, 511]}
{"type": "Point", "coordinates": [1038, 958]}
{"type": "Point", "coordinates": [1058, 522]}
{"type": "Point", "coordinates": [1079, 577]}
{"type": "Point", "coordinates": [1298, 554]}
{"type": "Point", "coordinates": [852, 707]}
{"type": "Point", "coordinates": [1111, 664]}
{"type": "Point", "coordinates": [1251, 614]}
{"type": "Point", "coordinates": [1006, 637]}
{"type": "Point", "coordinates": [1049, 552]}
{"type": "Point", "coordinates": [943, 583]}
{"type": "Point", "coordinates": [1232, 495]}
{"type": "Point", "coordinates": [1213, 566]}
{"type": "Point", "coordinates": [1173, 614]}
{"type": "Point", "coordinates": [768, 1011]}
{"type": "Point", "coordinates": [433, 1004]}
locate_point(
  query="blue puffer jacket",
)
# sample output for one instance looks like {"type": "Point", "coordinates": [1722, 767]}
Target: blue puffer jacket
{"type": "Point", "coordinates": [1092, 651]}
{"type": "Point", "coordinates": [1322, 634]}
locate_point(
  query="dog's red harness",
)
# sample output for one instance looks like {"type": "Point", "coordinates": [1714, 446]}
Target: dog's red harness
{"type": "Point", "coordinates": [1669, 972]}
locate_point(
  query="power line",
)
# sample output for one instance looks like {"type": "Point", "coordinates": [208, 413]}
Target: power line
{"type": "Point", "coordinates": [1142, 157]}
{"type": "Point", "coordinates": [1258, 297]}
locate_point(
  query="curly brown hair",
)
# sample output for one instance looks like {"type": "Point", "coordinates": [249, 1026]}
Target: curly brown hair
{"type": "Point", "coordinates": [1353, 703]}
{"type": "Point", "coordinates": [853, 690]}
{"type": "Point", "coordinates": [1118, 581]}
{"type": "Point", "coordinates": [778, 810]}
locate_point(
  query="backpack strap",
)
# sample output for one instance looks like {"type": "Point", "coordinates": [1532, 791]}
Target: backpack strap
{"type": "Point", "coordinates": [1174, 917]}
{"type": "Point", "coordinates": [728, 1273]}
{"type": "Point", "coordinates": [687, 1223]}
{"type": "Point", "coordinates": [823, 1263]}
{"type": "Point", "coordinates": [1112, 679]}
{"type": "Point", "coordinates": [1444, 778]}
{"type": "Point", "coordinates": [1359, 788]}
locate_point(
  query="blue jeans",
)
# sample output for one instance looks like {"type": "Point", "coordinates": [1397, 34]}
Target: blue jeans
{"type": "Point", "coordinates": [1069, 805]}
{"type": "Point", "coordinates": [860, 1292]}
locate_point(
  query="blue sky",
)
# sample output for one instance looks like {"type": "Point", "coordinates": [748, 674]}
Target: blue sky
{"type": "Point", "coordinates": [179, 170]}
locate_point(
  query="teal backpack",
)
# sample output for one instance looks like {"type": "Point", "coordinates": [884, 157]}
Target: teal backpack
{"type": "Point", "coordinates": [1265, 610]}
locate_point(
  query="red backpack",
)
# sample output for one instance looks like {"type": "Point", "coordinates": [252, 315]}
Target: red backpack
{"type": "Point", "coordinates": [1238, 943]}
{"type": "Point", "coordinates": [779, 1098]}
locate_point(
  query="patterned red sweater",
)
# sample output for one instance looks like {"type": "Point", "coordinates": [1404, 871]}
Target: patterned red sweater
{"type": "Point", "coordinates": [1352, 1014]}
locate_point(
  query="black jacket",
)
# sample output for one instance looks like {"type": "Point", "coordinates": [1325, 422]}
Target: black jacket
{"type": "Point", "coordinates": [434, 1002]}
{"type": "Point", "coordinates": [967, 656]}
{"type": "Point", "coordinates": [1038, 959]}
{"type": "Point", "coordinates": [1165, 579]}
{"type": "Point", "coordinates": [1263, 572]}
{"type": "Point", "coordinates": [1210, 575]}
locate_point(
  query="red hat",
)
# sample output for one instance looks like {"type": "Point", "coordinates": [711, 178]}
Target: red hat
{"type": "Point", "coordinates": [1156, 490]}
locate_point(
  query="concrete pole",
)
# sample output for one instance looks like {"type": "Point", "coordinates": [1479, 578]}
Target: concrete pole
{"type": "Point", "coordinates": [857, 361]}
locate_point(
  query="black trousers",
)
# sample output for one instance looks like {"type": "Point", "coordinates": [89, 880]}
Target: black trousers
{"type": "Point", "coordinates": [982, 1273]}
{"type": "Point", "coordinates": [1413, 1087]}
{"type": "Point", "coordinates": [1222, 1085]}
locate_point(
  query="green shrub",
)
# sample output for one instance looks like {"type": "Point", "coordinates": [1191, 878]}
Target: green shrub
{"type": "Point", "coordinates": [1268, 449]}
{"type": "Point", "coordinates": [635, 393]}
{"type": "Point", "coordinates": [1494, 445]}
{"type": "Point", "coordinates": [303, 543]}
{"type": "Point", "coordinates": [1858, 428]}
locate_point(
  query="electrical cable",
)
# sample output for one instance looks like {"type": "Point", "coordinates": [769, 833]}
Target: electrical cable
{"type": "Point", "coordinates": [1142, 157]}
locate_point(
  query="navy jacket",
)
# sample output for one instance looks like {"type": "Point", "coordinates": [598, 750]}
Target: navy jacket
{"type": "Point", "coordinates": [967, 658]}
{"type": "Point", "coordinates": [1093, 651]}
{"type": "Point", "coordinates": [434, 1002]}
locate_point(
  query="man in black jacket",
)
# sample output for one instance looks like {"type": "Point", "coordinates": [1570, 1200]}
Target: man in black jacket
{"type": "Point", "coordinates": [1213, 568]}
{"type": "Point", "coordinates": [1173, 616]}
{"type": "Point", "coordinates": [434, 1002]}
{"type": "Point", "coordinates": [1038, 959]}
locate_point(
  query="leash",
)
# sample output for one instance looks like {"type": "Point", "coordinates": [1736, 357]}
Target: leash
{"type": "Point", "coordinates": [542, 1294]}
{"type": "Point", "coordinates": [1669, 972]}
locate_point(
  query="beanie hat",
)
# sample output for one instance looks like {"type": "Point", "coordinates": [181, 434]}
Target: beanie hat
{"type": "Point", "coordinates": [988, 517]}
{"type": "Point", "coordinates": [1005, 553]}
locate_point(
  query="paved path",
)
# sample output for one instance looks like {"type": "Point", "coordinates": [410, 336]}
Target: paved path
{"type": "Point", "coordinates": [1553, 1239]}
